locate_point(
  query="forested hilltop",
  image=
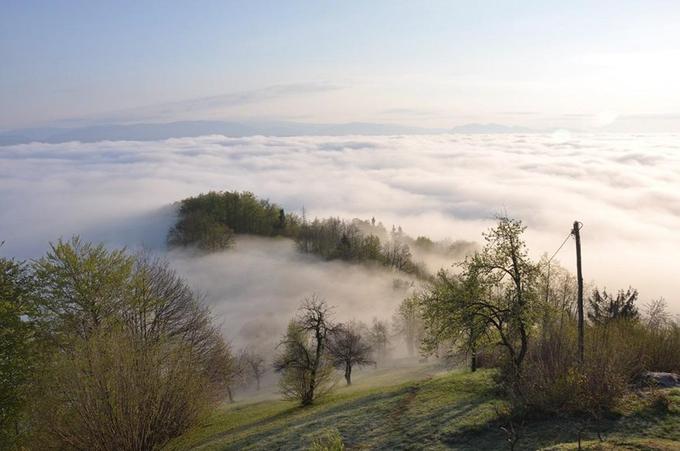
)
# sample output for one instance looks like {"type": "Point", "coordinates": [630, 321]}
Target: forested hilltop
{"type": "Point", "coordinates": [210, 221]}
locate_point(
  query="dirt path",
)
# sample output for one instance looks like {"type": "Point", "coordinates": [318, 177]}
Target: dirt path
{"type": "Point", "coordinates": [395, 417]}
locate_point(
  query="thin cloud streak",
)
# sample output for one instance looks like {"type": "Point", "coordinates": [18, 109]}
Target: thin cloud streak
{"type": "Point", "coordinates": [204, 107]}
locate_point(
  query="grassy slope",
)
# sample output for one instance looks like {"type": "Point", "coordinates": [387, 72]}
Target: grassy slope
{"type": "Point", "coordinates": [422, 409]}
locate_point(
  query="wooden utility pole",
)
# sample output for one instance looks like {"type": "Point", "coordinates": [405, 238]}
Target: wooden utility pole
{"type": "Point", "coordinates": [579, 276]}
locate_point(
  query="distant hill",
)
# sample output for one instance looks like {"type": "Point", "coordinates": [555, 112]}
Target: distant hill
{"type": "Point", "coordinates": [188, 129]}
{"type": "Point", "coordinates": [183, 129]}
{"type": "Point", "coordinates": [491, 128]}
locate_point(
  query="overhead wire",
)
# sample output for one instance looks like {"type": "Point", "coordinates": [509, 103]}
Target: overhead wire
{"type": "Point", "coordinates": [571, 233]}
{"type": "Point", "coordinates": [561, 246]}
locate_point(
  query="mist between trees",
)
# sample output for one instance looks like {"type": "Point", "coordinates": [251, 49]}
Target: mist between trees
{"type": "Point", "coordinates": [106, 349]}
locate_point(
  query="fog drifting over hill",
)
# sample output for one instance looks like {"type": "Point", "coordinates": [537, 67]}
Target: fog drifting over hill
{"type": "Point", "coordinates": [624, 188]}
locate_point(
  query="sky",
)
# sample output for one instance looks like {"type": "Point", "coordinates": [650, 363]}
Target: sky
{"type": "Point", "coordinates": [577, 65]}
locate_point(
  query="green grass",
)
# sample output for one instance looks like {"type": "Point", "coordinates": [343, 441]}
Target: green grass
{"type": "Point", "coordinates": [420, 408]}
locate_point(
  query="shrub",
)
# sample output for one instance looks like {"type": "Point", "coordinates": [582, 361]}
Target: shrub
{"type": "Point", "coordinates": [132, 358]}
{"type": "Point", "coordinates": [328, 440]}
{"type": "Point", "coordinates": [113, 392]}
{"type": "Point", "coordinates": [616, 354]}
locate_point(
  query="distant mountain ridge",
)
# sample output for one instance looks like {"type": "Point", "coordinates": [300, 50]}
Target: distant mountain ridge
{"type": "Point", "coordinates": [188, 129]}
{"type": "Point", "coordinates": [491, 128]}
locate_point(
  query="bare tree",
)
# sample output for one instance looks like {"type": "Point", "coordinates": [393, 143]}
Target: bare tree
{"type": "Point", "coordinates": [656, 314]}
{"type": "Point", "coordinates": [348, 349]}
{"type": "Point", "coordinates": [408, 323]}
{"type": "Point", "coordinates": [378, 337]}
{"type": "Point", "coordinates": [254, 365]}
{"type": "Point", "coordinates": [306, 367]}
{"type": "Point", "coordinates": [397, 255]}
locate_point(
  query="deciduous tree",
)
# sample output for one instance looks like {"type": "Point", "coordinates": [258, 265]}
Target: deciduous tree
{"type": "Point", "coordinates": [304, 363]}
{"type": "Point", "coordinates": [349, 349]}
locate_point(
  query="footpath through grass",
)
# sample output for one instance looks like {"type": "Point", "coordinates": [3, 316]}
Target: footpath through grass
{"type": "Point", "coordinates": [421, 408]}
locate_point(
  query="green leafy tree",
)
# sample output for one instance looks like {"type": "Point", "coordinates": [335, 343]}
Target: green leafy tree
{"type": "Point", "coordinates": [496, 290]}
{"type": "Point", "coordinates": [19, 352]}
{"type": "Point", "coordinates": [505, 290]}
{"type": "Point", "coordinates": [82, 287]}
{"type": "Point", "coordinates": [203, 232]}
{"type": "Point", "coordinates": [210, 220]}
{"type": "Point", "coordinates": [451, 319]}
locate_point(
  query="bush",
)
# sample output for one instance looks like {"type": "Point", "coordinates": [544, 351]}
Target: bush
{"type": "Point", "coordinates": [328, 440]}
{"type": "Point", "coordinates": [132, 358]}
{"type": "Point", "coordinates": [616, 355]}
{"type": "Point", "coordinates": [113, 392]}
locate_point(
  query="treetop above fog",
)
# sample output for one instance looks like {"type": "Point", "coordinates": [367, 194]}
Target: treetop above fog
{"type": "Point", "coordinates": [210, 221]}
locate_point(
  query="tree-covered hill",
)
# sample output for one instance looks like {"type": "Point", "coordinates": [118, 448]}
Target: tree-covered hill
{"type": "Point", "coordinates": [210, 222]}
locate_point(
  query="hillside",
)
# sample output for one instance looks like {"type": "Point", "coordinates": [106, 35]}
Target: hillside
{"type": "Point", "coordinates": [211, 221]}
{"type": "Point", "coordinates": [427, 408]}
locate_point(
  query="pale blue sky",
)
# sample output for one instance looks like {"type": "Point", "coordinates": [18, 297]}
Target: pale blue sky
{"type": "Point", "coordinates": [573, 64]}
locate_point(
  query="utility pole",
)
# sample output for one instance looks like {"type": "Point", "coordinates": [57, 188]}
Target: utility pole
{"type": "Point", "coordinates": [579, 276]}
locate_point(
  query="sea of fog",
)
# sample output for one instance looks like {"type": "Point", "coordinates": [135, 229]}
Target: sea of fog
{"type": "Point", "coordinates": [625, 189]}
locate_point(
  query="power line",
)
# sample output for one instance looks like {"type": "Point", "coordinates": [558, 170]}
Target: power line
{"type": "Point", "coordinates": [561, 246]}
{"type": "Point", "coordinates": [547, 263]}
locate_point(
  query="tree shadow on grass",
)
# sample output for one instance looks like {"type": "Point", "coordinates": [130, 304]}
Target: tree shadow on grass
{"type": "Point", "coordinates": [378, 421]}
{"type": "Point", "coordinates": [357, 418]}
{"type": "Point", "coordinates": [546, 431]}
{"type": "Point", "coordinates": [422, 416]}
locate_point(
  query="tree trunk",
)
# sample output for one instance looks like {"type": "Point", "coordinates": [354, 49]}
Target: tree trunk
{"type": "Point", "coordinates": [231, 397]}
{"type": "Point", "coordinates": [348, 374]}
{"type": "Point", "coordinates": [307, 398]}
{"type": "Point", "coordinates": [473, 361]}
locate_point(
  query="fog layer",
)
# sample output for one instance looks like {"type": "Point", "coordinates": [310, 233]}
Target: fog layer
{"type": "Point", "coordinates": [624, 188]}
{"type": "Point", "coordinates": [255, 288]}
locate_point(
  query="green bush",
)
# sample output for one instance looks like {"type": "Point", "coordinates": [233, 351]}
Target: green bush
{"type": "Point", "coordinates": [130, 356]}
